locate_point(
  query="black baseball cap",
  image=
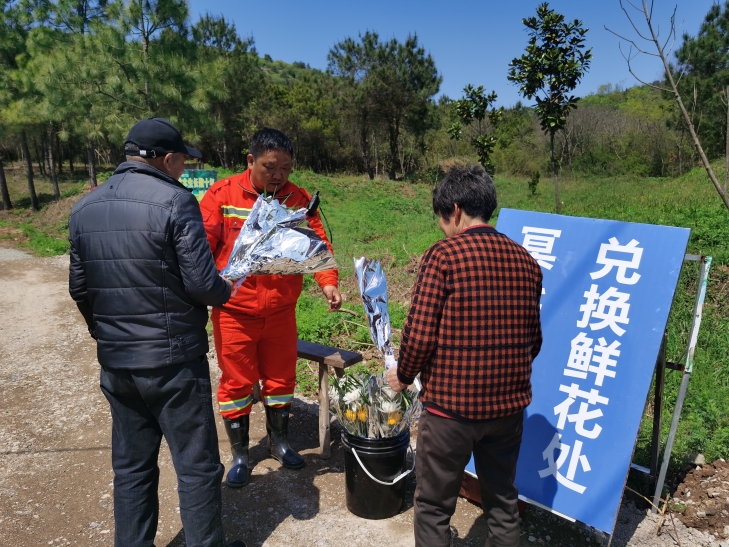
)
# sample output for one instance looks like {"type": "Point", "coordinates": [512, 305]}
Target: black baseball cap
{"type": "Point", "coordinates": [156, 137]}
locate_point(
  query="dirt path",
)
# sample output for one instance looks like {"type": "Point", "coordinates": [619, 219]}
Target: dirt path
{"type": "Point", "coordinates": [55, 471]}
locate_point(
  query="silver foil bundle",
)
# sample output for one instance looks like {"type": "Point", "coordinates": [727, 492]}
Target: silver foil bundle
{"type": "Point", "coordinates": [373, 287]}
{"type": "Point", "coordinates": [273, 241]}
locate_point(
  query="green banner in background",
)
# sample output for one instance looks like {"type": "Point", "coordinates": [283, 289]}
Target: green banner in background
{"type": "Point", "coordinates": [198, 180]}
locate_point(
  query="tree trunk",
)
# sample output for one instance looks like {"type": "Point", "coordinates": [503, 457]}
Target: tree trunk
{"type": "Point", "coordinates": [394, 155]}
{"type": "Point", "coordinates": [50, 166]}
{"type": "Point", "coordinates": [145, 51]}
{"type": "Point", "coordinates": [365, 147]}
{"type": "Point", "coordinates": [59, 155]}
{"type": "Point", "coordinates": [39, 156]}
{"type": "Point", "coordinates": [377, 156]}
{"type": "Point", "coordinates": [70, 155]}
{"type": "Point", "coordinates": [7, 204]}
{"type": "Point", "coordinates": [726, 153]}
{"type": "Point", "coordinates": [29, 170]}
{"type": "Point", "coordinates": [558, 204]}
{"type": "Point", "coordinates": [92, 163]}
{"type": "Point", "coordinates": [401, 152]}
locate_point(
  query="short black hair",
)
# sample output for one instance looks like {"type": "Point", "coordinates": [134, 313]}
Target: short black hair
{"type": "Point", "coordinates": [267, 139]}
{"type": "Point", "coordinates": [471, 188]}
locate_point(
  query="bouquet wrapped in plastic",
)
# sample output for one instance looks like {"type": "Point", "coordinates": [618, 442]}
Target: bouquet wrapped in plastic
{"type": "Point", "coordinates": [367, 407]}
{"type": "Point", "coordinates": [373, 288]}
{"type": "Point", "coordinates": [273, 241]}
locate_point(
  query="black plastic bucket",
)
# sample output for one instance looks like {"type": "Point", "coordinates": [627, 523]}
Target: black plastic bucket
{"type": "Point", "coordinates": [383, 460]}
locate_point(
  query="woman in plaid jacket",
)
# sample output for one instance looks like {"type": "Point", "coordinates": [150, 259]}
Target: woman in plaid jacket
{"type": "Point", "coordinates": [472, 332]}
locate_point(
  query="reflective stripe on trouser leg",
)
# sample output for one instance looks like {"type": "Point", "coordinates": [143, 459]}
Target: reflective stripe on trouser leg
{"type": "Point", "coordinates": [278, 400]}
{"type": "Point", "coordinates": [233, 406]}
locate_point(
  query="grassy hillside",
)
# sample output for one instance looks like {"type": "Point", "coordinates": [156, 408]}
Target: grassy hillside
{"type": "Point", "coordinates": [393, 222]}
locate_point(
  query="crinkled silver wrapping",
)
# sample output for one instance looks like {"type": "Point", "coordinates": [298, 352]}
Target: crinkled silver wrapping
{"type": "Point", "coordinates": [272, 241]}
{"type": "Point", "coordinates": [373, 287]}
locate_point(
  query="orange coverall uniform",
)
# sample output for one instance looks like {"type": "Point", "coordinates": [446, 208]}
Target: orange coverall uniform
{"type": "Point", "coordinates": [255, 332]}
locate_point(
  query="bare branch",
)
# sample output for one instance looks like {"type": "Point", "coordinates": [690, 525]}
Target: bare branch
{"type": "Point", "coordinates": [672, 32]}
{"type": "Point", "coordinates": [646, 83]}
{"type": "Point", "coordinates": [636, 46]}
{"type": "Point", "coordinates": [628, 58]}
{"type": "Point", "coordinates": [650, 15]}
{"type": "Point", "coordinates": [630, 20]}
{"type": "Point", "coordinates": [681, 75]}
{"type": "Point", "coordinates": [351, 312]}
{"type": "Point", "coordinates": [634, 6]}
{"type": "Point", "coordinates": [109, 95]}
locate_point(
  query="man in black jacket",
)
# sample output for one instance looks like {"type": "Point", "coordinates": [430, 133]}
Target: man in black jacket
{"type": "Point", "coordinates": [142, 275]}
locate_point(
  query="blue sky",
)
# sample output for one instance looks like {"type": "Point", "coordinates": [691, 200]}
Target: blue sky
{"type": "Point", "coordinates": [472, 41]}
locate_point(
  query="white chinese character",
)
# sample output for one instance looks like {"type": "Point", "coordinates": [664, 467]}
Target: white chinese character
{"type": "Point", "coordinates": [592, 397]}
{"type": "Point", "coordinates": [622, 265]}
{"type": "Point", "coordinates": [564, 451]}
{"type": "Point", "coordinates": [603, 360]}
{"type": "Point", "coordinates": [580, 357]}
{"type": "Point", "coordinates": [611, 306]}
{"type": "Point", "coordinates": [583, 353]}
{"type": "Point", "coordinates": [579, 419]}
{"type": "Point", "coordinates": [539, 243]}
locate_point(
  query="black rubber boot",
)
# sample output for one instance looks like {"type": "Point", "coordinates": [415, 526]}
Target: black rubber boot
{"type": "Point", "coordinates": [237, 430]}
{"type": "Point", "coordinates": [237, 543]}
{"type": "Point", "coordinates": [277, 425]}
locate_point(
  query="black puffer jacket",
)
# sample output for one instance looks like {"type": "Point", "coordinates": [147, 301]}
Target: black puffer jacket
{"type": "Point", "coordinates": [141, 269]}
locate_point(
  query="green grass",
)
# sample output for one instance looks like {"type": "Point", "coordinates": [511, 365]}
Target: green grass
{"type": "Point", "coordinates": [78, 188]}
{"type": "Point", "coordinates": [43, 244]}
{"type": "Point", "coordinates": [378, 218]}
{"type": "Point", "coordinates": [35, 240]}
{"type": "Point", "coordinates": [392, 221]}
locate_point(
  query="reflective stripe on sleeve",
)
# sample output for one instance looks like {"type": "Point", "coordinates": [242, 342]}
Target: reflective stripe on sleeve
{"type": "Point", "coordinates": [278, 400]}
{"type": "Point", "coordinates": [227, 406]}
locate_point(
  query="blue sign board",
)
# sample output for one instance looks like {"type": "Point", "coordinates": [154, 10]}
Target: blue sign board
{"type": "Point", "coordinates": [607, 292]}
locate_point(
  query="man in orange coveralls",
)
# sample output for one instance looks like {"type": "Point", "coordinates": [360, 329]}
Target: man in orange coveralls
{"type": "Point", "coordinates": [255, 332]}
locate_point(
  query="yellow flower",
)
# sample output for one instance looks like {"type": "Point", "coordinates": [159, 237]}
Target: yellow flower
{"type": "Point", "coordinates": [362, 414]}
{"type": "Point", "coordinates": [350, 415]}
{"type": "Point", "coordinates": [394, 418]}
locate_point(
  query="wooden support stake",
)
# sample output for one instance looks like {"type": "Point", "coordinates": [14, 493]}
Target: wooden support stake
{"type": "Point", "coordinates": [325, 449]}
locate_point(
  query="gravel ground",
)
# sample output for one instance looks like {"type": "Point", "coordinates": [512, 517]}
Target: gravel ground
{"type": "Point", "coordinates": [12, 254]}
{"type": "Point", "coordinates": [55, 472]}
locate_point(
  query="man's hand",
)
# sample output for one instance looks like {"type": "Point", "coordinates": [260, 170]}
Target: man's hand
{"type": "Point", "coordinates": [228, 281]}
{"type": "Point", "coordinates": [333, 297]}
{"type": "Point", "coordinates": [394, 381]}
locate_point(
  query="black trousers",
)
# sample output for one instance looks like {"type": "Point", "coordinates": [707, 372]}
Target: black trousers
{"type": "Point", "coordinates": [444, 447]}
{"type": "Point", "coordinates": [176, 402]}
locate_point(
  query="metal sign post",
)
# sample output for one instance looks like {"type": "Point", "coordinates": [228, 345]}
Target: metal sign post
{"type": "Point", "coordinates": [687, 367]}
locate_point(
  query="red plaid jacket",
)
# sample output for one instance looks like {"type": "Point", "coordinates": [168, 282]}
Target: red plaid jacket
{"type": "Point", "coordinates": [473, 328]}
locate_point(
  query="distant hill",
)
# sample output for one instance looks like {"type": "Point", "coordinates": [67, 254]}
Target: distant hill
{"type": "Point", "coordinates": [283, 73]}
